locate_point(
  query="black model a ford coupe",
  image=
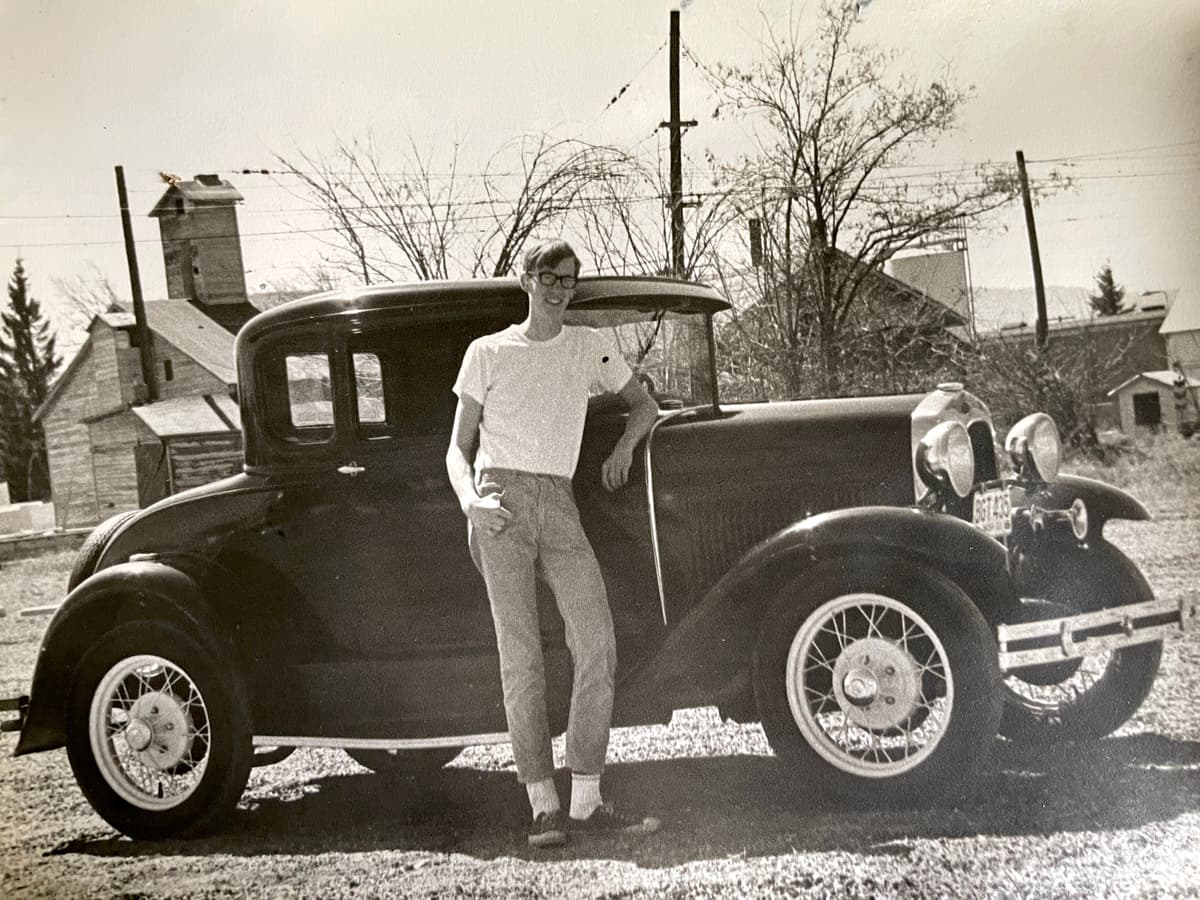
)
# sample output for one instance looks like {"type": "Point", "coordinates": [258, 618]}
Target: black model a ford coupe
{"type": "Point", "coordinates": [860, 575]}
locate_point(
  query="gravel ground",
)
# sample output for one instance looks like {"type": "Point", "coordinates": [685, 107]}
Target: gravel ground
{"type": "Point", "coordinates": [1118, 817]}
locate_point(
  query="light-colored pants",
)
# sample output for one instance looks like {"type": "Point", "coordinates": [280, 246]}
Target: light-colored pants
{"type": "Point", "coordinates": [544, 538]}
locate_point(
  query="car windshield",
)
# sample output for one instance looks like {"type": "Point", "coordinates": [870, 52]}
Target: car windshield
{"type": "Point", "coordinates": [667, 351]}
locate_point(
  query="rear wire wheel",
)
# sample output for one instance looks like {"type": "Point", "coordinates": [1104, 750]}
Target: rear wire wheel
{"type": "Point", "coordinates": [158, 731]}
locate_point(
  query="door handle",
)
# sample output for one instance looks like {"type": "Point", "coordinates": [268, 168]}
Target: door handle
{"type": "Point", "coordinates": [351, 468]}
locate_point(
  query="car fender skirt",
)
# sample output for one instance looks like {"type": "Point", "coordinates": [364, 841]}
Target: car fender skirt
{"type": "Point", "coordinates": [125, 592]}
{"type": "Point", "coordinates": [1103, 501]}
{"type": "Point", "coordinates": [708, 650]}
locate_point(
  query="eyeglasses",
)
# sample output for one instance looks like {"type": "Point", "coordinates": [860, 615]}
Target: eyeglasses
{"type": "Point", "coordinates": [549, 279]}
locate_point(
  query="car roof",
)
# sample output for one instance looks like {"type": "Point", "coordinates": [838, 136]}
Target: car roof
{"type": "Point", "coordinates": [595, 299]}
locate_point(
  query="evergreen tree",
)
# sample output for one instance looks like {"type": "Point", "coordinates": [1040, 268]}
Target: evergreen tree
{"type": "Point", "coordinates": [1107, 299]}
{"type": "Point", "coordinates": [27, 366]}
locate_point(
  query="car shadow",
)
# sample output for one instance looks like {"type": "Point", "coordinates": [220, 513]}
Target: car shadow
{"type": "Point", "coordinates": [711, 807]}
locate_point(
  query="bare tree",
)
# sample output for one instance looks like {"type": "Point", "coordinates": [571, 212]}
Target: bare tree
{"type": "Point", "coordinates": [624, 225]}
{"type": "Point", "coordinates": [87, 294]}
{"type": "Point", "coordinates": [830, 127]}
{"type": "Point", "coordinates": [421, 223]}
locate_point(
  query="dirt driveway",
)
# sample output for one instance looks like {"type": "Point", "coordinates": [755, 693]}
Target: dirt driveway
{"type": "Point", "coordinates": [1119, 817]}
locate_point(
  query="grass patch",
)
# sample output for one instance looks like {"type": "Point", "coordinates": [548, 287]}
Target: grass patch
{"type": "Point", "coordinates": [1163, 471]}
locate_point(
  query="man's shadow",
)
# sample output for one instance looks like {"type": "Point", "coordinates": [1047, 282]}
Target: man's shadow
{"type": "Point", "coordinates": [711, 807]}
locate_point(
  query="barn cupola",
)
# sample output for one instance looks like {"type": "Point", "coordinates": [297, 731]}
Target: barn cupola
{"type": "Point", "coordinates": [202, 249]}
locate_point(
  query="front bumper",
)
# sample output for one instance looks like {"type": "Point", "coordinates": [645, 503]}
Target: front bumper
{"type": "Point", "coordinates": [18, 705]}
{"type": "Point", "coordinates": [1073, 637]}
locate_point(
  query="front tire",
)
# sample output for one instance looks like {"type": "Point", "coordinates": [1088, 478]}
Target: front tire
{"type": "Point", "coordinates": [158, 731]}
{"type": "Point", "coordinates": [1087, 698]}
{"type": "Point", "coordinates": [878, 685]}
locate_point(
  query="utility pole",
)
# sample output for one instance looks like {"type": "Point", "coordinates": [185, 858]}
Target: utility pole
{"type": "Point", "coordinates": [676, 128]}
{"type": "Point", "coordinates": [145, 338]}
{"type": "Point", "coordinates": [697, 349]}
{"type": "Point", "coordinates": [1043, 328]}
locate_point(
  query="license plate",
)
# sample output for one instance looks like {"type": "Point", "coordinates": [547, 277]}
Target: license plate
{"type": "Point", "coordinates": [993, 511]}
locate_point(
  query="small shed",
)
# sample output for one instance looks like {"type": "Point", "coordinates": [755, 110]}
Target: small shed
{"type": "Point", "coordinates": [191, 441]}
{"type": "Point", "coordinates": [1150, 400]}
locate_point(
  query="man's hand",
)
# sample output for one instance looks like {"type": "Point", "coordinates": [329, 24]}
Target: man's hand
{"type": "Point", "coordinates": [643, 412]}
{"type": "Point", "coordinates": [615, 470]}
{"type": "Point", "coordinates": [487, 515]}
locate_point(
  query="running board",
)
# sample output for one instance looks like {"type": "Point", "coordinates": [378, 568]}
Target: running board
{"type": "Point", "coordinates": [430, 743]}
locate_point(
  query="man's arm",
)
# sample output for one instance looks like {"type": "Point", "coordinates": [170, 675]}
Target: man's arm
{"type": "Point", "coordinates": [485, 513]}
{"type": "Point", "coordinates": [643, 412]}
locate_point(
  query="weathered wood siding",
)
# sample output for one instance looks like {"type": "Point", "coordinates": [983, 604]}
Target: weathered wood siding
{"type": "Point", "coordinates": [113, 463]}
{"type": "Point", "coordinates": [199, 460]}
{"type": "Point", "coordinates": [68, 446]}
{"type": "Point", "coordinates": [203, 253]}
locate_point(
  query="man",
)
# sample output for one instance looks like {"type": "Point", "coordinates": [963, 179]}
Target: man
{"type": "Point", "coordinates": [522, 400]}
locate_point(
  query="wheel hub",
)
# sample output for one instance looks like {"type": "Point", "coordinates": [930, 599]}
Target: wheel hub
{"type": "Point", "coordinates": [877, 683]}
{"type": "Point", "coordinates": [158, 730]}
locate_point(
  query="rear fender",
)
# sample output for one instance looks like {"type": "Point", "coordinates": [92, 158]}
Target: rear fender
{"type": "Point", "coordinates": [707, 655]}
{"type": "Point", "coordinates": [121, 593]}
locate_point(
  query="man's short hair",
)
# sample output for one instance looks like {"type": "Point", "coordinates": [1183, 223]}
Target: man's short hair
{"type": "Point", "coordinates": [550, 254]}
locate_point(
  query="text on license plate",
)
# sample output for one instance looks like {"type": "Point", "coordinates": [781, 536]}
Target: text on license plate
{"type": "Point", "coordinates": [993, 511]}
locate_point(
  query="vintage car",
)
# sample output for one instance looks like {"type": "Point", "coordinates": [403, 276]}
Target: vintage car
{"type": "Point", "coordinates": [869, 578]}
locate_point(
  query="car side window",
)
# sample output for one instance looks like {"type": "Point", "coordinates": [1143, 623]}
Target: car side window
{"type": "Point", "coordinates": [368, 387]}
{"type": "Point", "coordinates": [310, 395]}
{"type": "Point", "coordinates": [297, 395]}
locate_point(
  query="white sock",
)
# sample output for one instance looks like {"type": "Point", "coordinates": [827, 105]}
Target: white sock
{"type": "Point", "coordinates": [543, 797]}
{"type": "Point", "coordinates": [585, 795]}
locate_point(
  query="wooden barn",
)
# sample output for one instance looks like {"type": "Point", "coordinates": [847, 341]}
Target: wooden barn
{"type": "Point", "coordinates": [110, 447]}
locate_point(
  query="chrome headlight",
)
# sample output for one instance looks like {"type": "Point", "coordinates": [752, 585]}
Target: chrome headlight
{"type": "Point", "coordinates": [1034, 448]}
{"type": "Point", "coordinates": [944, 456]}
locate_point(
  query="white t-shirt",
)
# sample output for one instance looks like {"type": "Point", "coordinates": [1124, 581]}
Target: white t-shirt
{"type": "Point", "coordinates": [534, 395]}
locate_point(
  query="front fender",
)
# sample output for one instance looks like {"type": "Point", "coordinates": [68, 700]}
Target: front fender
{"type": "Point", "coordinates": [1103, 501]}
{"type": "Point", "coordinates": [710, 649]}
{"type": "Point", "coordinates": [132, 590]}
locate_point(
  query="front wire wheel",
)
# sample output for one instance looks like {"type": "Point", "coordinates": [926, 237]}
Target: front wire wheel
{"type": "Point", "coordinates": [158, 731]}
{"type": "Point", "coordinates": [878, 685]}
{"type": "Point", "coordinates": [869, 685]}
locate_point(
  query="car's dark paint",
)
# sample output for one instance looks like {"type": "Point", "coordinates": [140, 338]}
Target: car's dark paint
{"type": "Point", "coordinates": [722, 483]}
{"type": "Point", "coordinates": [708, 653]}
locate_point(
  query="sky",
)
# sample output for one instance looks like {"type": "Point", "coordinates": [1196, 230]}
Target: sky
{"type": "Point", "coordinates": [1107, 91]}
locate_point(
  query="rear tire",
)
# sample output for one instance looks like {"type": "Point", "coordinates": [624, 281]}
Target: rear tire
{"type": "Point", "coordinates": [158, 731]}
{"type": "Point", "coordinates": [879, 685]}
